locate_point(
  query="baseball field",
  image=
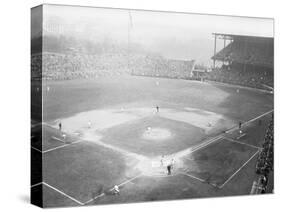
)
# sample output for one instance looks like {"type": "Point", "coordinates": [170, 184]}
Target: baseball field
{"type": "Point", "coordinates": [126, 130]}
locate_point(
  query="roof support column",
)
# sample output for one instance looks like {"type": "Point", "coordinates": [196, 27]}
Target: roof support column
{"type": "Point", "coordinates": [215, 50]}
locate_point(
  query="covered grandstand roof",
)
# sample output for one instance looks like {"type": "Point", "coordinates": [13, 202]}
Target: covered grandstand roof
{"type": "Point", "coordinates": [235, 36]}
{"type": "Point", "coordinates": [246, 49]}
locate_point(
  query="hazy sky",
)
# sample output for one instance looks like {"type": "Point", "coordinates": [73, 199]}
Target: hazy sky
{"type": "Point", "coordinates": [173, 35]}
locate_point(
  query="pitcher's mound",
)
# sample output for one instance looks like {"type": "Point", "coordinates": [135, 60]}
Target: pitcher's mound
{"type": "Point", "coordinates": [156, 134]}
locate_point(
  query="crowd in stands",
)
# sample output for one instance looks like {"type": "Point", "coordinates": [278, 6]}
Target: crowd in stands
{"type": "Point", "coordinates": [56, 66]}
{"type": "Point", "coordinates": [157, 66]}
{"type": "Point", "coordinates": [255, 53]}
{"type": "Point", "coordinates": [255, 77]}
{"type": "Point", "coordinates": [249, 63]}
{"type": "Point", "coordinates": [36, 66]}
{"type": "Point", "coordinates": [264, 163]}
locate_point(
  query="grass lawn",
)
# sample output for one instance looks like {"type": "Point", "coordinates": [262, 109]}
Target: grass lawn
{"type": "Point", "coordinates": [52, 198]}
{"type": "Point", "coordinates": [218, 161]}
{"type": "Point", "coordinates": [80, 169]}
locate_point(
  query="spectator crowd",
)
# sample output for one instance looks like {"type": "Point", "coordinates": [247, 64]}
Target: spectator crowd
{"type": "Point", "coordinates": [251, 77]}
{"type": "Point", "coordinates": [56, 66]}
{"type": "Point", "coordinates": [264, 164]}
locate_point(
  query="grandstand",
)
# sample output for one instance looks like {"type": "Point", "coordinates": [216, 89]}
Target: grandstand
{"type": "Point", "coordinates": [62, 66]}
{"type": "Point", "coordinates": [77, 65]}
{"type": "Point", "coordinates": [156, 66]}
{"type": "Point", "coordinates": [246, 60]}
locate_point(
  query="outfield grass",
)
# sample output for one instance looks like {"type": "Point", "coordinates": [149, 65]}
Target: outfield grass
{"type": "Point", "coordinates": [66, 98]}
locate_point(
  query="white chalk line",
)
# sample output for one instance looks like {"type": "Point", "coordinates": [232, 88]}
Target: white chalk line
{"type": "Point", "coordinates": [238, 86]}
{"type": "Point", "coordinates": [58, 139]}
{"type": "Point", "coordinates": [221, 186]}
{"type": "Point", "coordinates": [258, 117]}
{"type": "Point", "coordinates": [239, 142]}
{"type": "Point", "coordinates": [57, 190]}
{"type": "Point", "coordinates": [191, 176]}
{"type": "Point", "coordinates": [214, 139]}
{"type": "Point", "coordinates": [199, 179]}
{"type": "Point", "coordinates": [59, 147]}
{"type": "Point", "coordinates": [249, 121]}
{"type": "Point", "coordinates": [36, 149]}
{"type": "Point", "coordinates": [68, 196]}
{"type": "Point", "coordinates": [160, 175]}
{"type": "Point", "coordinates": [187, 151]}
{"type": "Point", "coordinates": [35, 184]}
{"type": "Point", "coordinates": [121, 184]}
{"type": "Point", "coordinates": [240, 136]}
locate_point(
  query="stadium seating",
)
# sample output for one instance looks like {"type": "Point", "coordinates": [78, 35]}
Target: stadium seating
{"type": "Point", "coordinates": [249, 62]}
{"type": "Point", "coordinates": [57, 66]}
{"type": "Point", "coordinates": [157, 66]}
{"type": "Point", "coordinates": [256, 78]}
{"type": "Point", "coordinates": [72, 66]}
{"type": "Point", "coordinates": [254, 53]}
{"type": "Point", "coordinates": [264, 163]}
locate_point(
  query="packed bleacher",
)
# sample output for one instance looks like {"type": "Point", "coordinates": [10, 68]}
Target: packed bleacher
{"type": "Point", "coordinates": [255, 77]}
{"type": "Point", "coordinates": [253, 53]}
{"type": "Point", "coordinates": [264, 164]}
{"type": "Point", "coordinates": [36, 66]}
{"type": "Point", "coordinates": [56, 66]}
{"type": "Point", "coordinates": [157, 66]}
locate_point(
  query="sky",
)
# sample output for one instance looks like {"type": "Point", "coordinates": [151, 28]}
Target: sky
{"type": "Point", "coordinates": [173, 35]}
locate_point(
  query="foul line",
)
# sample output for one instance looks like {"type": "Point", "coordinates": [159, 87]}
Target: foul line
{"type": "Point", "coordinates": [35, 184]}
{"type": "Point", "coordinates": [239, 142]}
{"type": "Point", "coordinates": [258, 117]}
{"type": "Point", "coordinates": [75, 200]}
{"type": "Point", "coordinates": [197, 178]}
{"type": "Point", "coordinates": [58, 139]}
{"type": "Point", "coordinates": [249, 121]}
{"type": "Point", "coordinates": [193, 149]}
{"type": "Point", "coordinates": [217, 138]}
{"type": "Point", "coordinates": [127, 181]}
{"type": "Point", "coordinates": [239, 169]}
{"type": "Point", "coordinates": [121, 184]}
{"type": "Point", "coordinates": [58, 147]}
{"type": "Point", "coordinates": [240, 136]}
{"type": "Point", "coordinates": [36, 149]}
{"type": "Point", "coordinates": [160, 175]}
{"type": "Point", "coordinates": [191, 176]}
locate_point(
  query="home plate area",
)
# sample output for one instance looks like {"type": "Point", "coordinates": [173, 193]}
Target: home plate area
{"type": "Point", "coordinates": [130, 147]}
